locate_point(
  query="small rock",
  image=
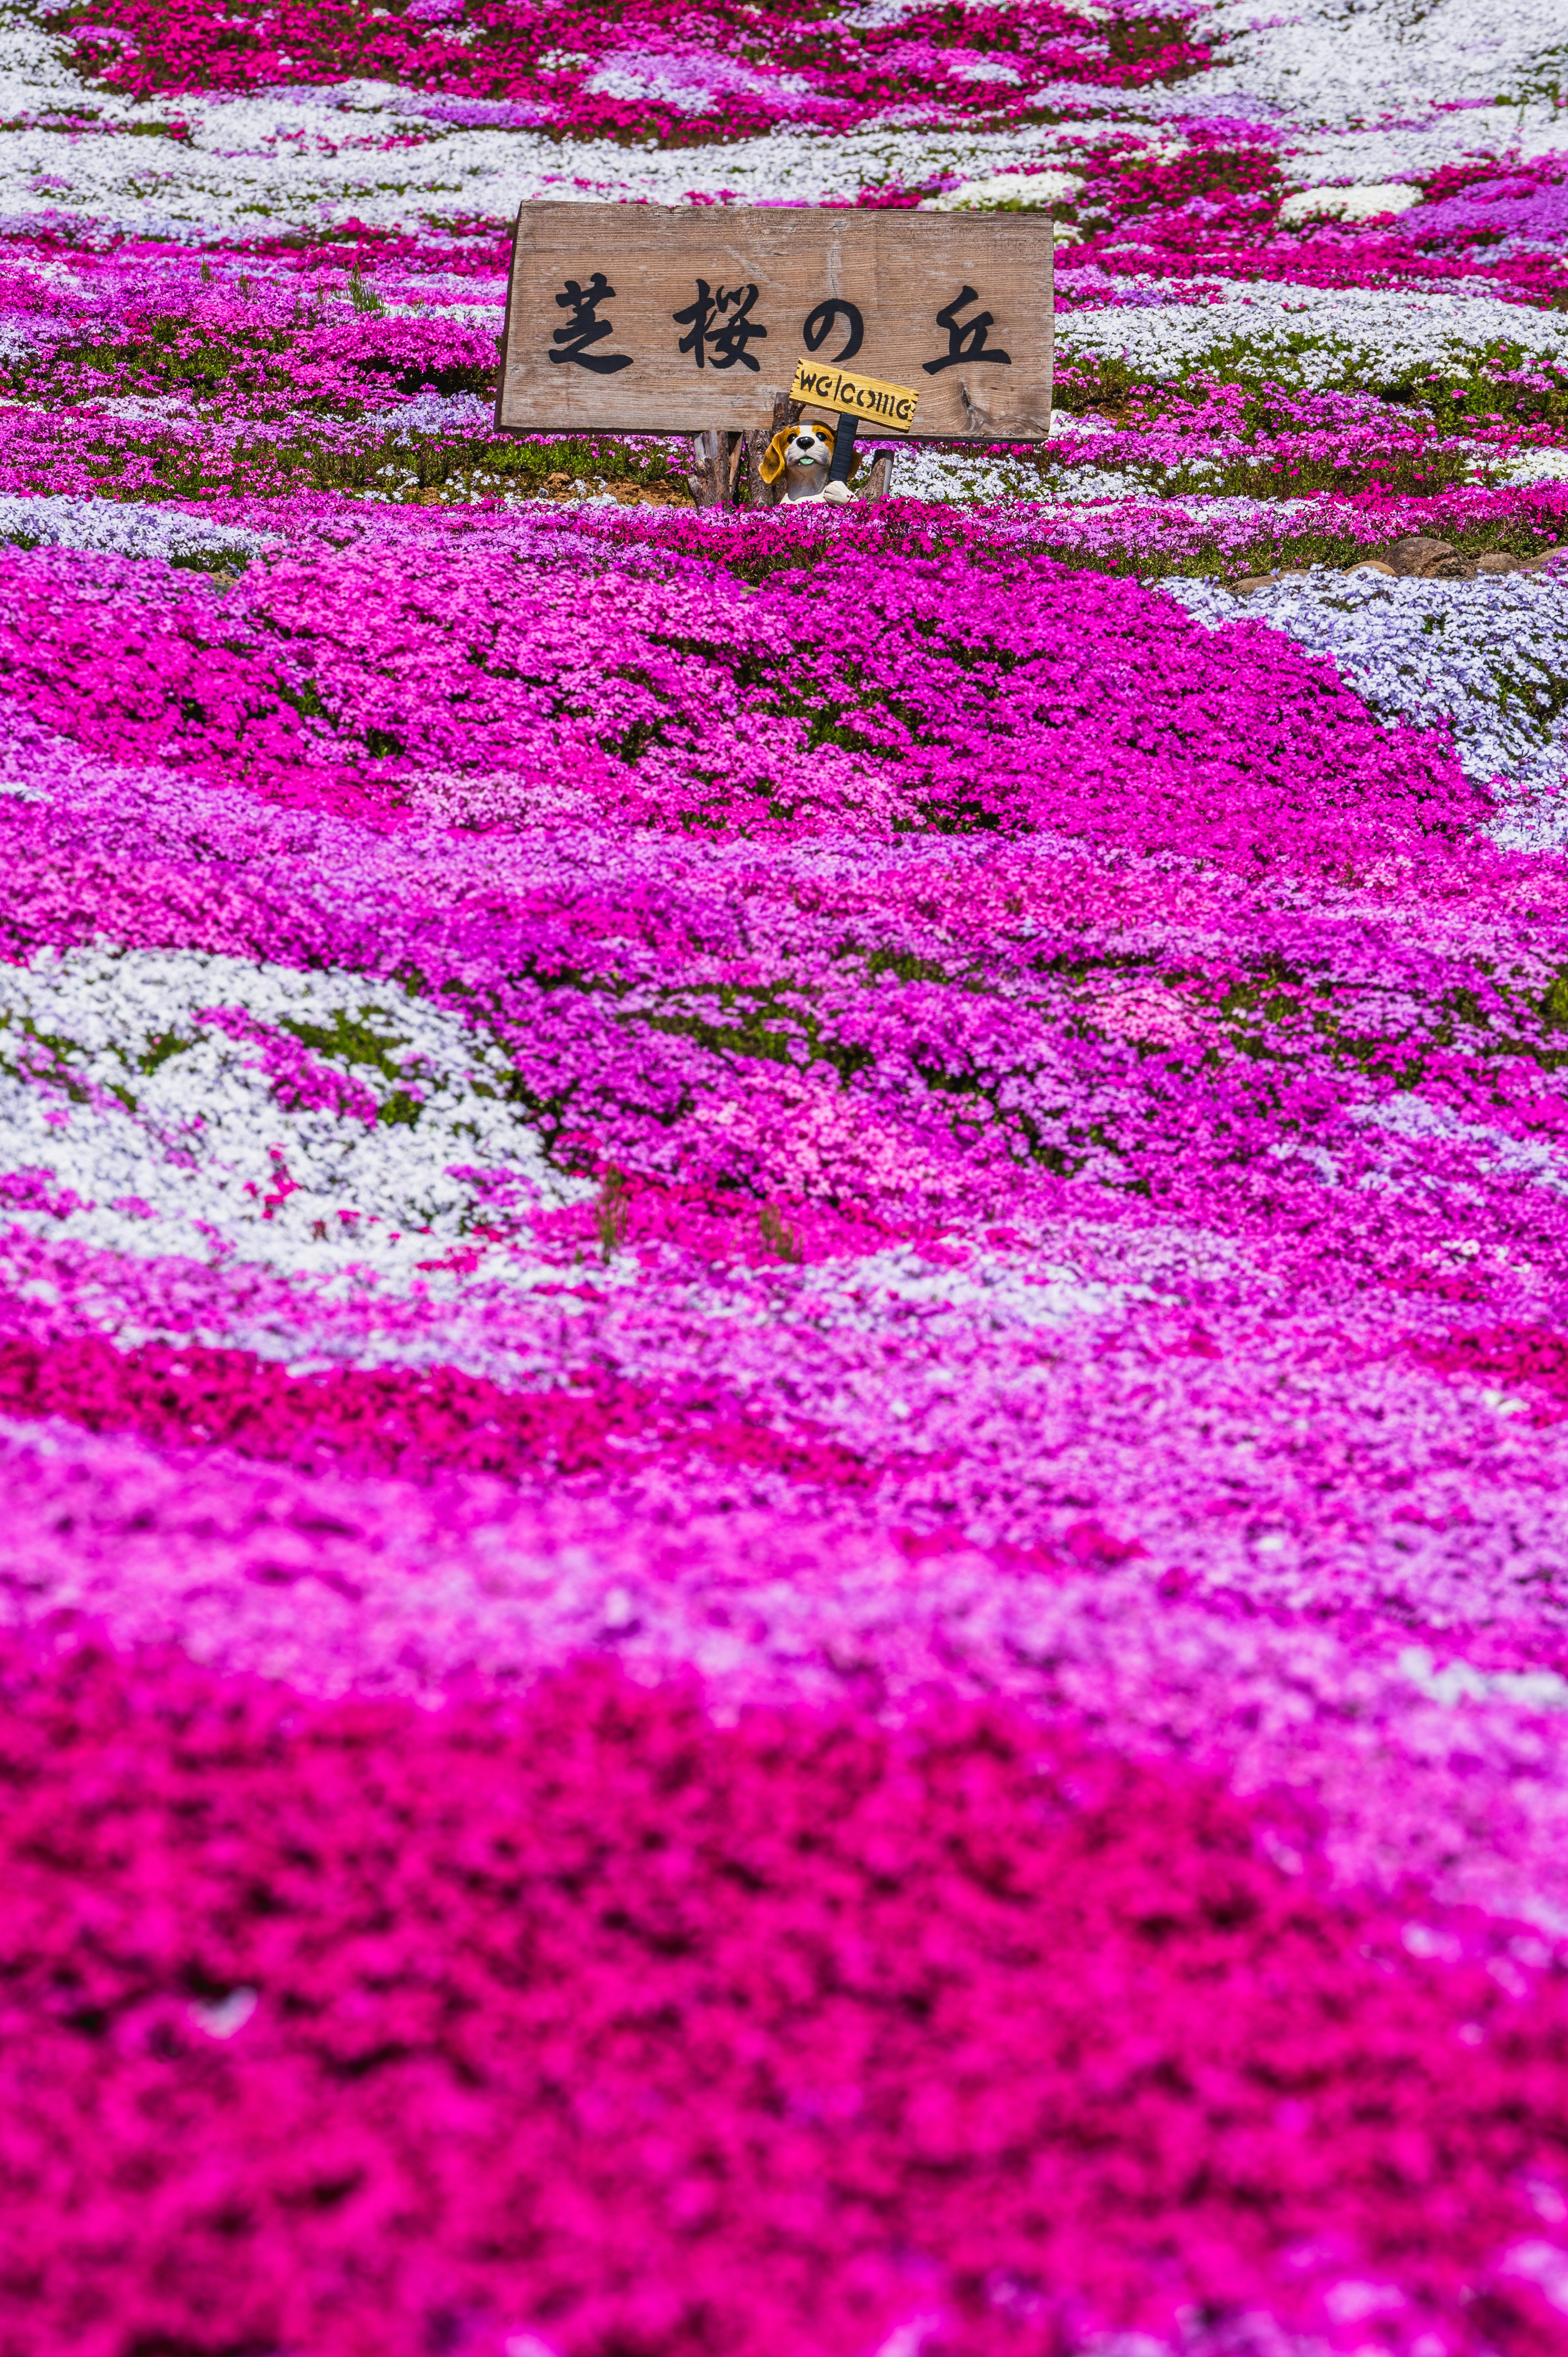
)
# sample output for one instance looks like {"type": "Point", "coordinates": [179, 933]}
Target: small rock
{"type": "Point", "coordinates": [1373, 564]}
{"type": "Point", "coordinates": [1245, 588]}
{"type": "Point", "coordinates": [1417, 553]}
{"type": "Point", "coordinates": [1497, 561]}
{"type": "Point", "coordinates": [1537, 563]}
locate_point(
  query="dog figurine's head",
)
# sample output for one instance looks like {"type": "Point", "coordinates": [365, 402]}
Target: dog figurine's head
{"type": "Point", "coordinates": [803, 454]}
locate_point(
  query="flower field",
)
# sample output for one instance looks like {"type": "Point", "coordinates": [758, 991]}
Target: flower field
{"type": "Point", "coordinates": [784, 1294]}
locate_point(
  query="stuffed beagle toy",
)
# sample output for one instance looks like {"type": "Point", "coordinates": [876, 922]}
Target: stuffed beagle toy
{"type": "Point", "coordinates": [803, 454]}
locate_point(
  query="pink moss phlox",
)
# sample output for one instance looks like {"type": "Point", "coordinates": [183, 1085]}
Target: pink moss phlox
{"type": "Point", "coordinates": [588, 2019]}
{"type": "Point", "coordinates": [416, 1422]}
{"type": "Point", "coordinates": [36, 1191]}
{"type": "Point", "coordinates": [648, 70]}
{"type": "Point", "coordinates": [1087, 704]}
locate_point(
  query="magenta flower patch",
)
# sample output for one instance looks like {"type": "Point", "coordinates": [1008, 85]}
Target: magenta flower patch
{"type": "Point", "coordinates": [584, 2021]}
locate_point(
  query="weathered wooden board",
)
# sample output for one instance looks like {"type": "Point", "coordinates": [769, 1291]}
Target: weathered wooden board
{"type": "Point", "coordinates": [644, 319]}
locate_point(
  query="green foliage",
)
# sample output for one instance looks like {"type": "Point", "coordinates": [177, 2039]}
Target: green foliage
{"type": "Point", "coordinates": [905, 964]}
{"type": "Point", "coordinates": [1536, 697]}
{"type": "Point", "coordinates": [1544, 75]}
{"type": "Point", "coordinates": [225, 564]}
{"type": "Point", "coordinates": [1474, 386]}
{"type": "Point", "coordinates": [306, 701]}
{"type": "Point", "coordinates": [1137, 40]}
{"type": "Point", "coordinates": [160, 1048]}
{"type": "Point", "coordinates": [255, 362]}
{"type": "Point", "coordinates": [1269, 475]}
{"type": "Point", "coordinates": [777, 1235]}
{"type": "Point", "coordinates": [1282, 550]}
{"type": "Point", "coordinates": [407, 467]}
{"type": "Point", "coordinates": [777, 1029]}
{"type": "Point", "coordinates": [610, 1213]}
{"type": "Point", "coordinates": [398, 1110]}
{"type": "Point", "coordinates": [352, 1040]}
{"type": "Point", "coordinates": [358, 1039]}
{"type": "Point", "coordinates": [364, 298]}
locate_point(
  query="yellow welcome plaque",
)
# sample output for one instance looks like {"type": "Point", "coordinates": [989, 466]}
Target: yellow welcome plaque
{"type": "Point", "coordinates": [890, 406]}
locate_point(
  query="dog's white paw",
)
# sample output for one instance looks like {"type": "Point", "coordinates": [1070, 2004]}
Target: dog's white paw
{"type": "Point", "coordinates": [838, 493]}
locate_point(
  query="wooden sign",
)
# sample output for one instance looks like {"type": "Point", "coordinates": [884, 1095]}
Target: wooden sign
{"type": "Point", "coordinates": [643, 320]}
{"type": "Point", "coordinates": [889, 406]}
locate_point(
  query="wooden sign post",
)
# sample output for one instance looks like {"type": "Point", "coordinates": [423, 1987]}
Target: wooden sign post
{"type": "Point", "coordinates": [711, 320]}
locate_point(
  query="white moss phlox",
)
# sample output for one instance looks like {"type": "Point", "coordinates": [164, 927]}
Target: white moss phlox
{"type": "Point", "coordinates": [1030, 189]}
{"type": "Point", "coordinates": [1355, 204]}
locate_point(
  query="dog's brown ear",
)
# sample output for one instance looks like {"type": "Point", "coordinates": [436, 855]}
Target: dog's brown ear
{"type": "Point", "coordinates": [773, 456]}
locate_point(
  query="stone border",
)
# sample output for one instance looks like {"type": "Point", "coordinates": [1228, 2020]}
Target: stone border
{"type": "Point", "coordinates": [1416, 558]}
